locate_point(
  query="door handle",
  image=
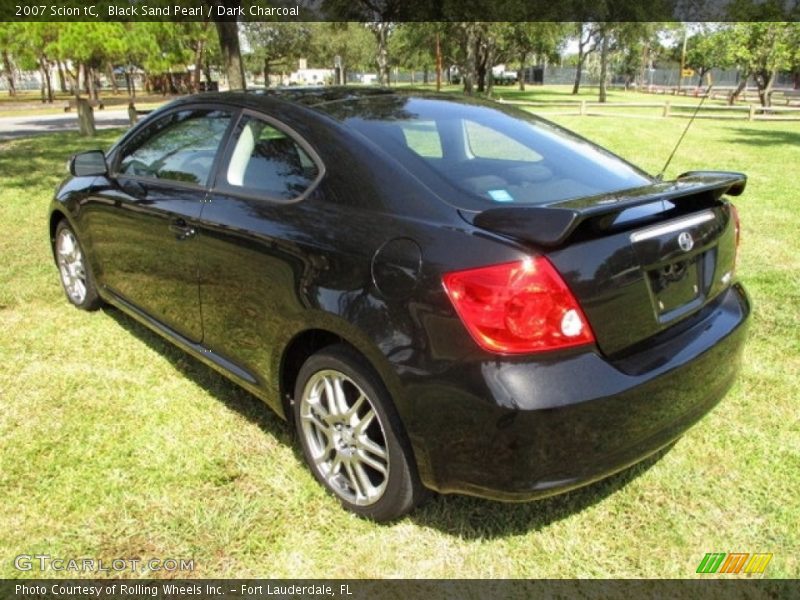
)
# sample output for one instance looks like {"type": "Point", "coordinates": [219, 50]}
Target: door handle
{"type": "Point", "coordinates": [181, 229]}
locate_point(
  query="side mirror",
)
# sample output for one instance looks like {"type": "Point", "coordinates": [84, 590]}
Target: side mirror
{"type": "Point", "coordinates": [88, 164]}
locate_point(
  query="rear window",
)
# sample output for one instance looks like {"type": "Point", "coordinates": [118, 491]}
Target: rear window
{"type": "Point", "coordinates": [490, 155]}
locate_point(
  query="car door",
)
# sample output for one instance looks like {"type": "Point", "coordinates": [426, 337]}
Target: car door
{"type": "Point", "coordinates": [255, 234]}
{"type": "Point", "coordinates": [143, 221]}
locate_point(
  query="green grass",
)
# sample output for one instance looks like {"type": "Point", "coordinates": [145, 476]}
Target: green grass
{"type": "Point", "coordinates": [115, 444]}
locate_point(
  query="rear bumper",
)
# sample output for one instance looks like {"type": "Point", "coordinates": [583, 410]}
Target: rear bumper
{"type": "Point", "coordinates": [515, 430]}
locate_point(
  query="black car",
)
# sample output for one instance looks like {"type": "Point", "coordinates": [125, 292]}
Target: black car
{"type": "Point", "coordinates": [440, 293]}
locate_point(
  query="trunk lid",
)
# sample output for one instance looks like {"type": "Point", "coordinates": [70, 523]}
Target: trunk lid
{"type": "Point", "coordinates": [638, 261]}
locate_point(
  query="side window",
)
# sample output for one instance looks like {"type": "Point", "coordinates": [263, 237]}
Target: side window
{"type": "Point", "coordinates": [180, 147]}
{"type": "Point", "coordinates": [267, 161]}
{"type": "Point", "coordinates": [485, 142]}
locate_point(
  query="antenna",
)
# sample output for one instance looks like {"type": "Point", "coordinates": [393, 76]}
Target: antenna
{"type": "Point", "coordinates": [660, 176]}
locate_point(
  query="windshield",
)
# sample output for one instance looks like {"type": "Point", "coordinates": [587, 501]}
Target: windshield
{"type": "Point", "coordinates": [495, 155]}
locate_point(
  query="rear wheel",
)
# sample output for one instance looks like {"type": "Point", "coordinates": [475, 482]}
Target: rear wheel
{"type": "Point", "coordinates": [351, 436]}
{"type": "Point", "coordinates": [76, 276]}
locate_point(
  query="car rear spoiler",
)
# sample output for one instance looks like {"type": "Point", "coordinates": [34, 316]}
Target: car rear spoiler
{"type": "Point", "coordinates": [552, 224]}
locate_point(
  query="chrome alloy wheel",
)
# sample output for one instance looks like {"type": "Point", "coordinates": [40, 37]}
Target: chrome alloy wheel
{"type": "Point", "coordinates": [345, 437]}
{"type": "Point", "coordinates": [70, 265]}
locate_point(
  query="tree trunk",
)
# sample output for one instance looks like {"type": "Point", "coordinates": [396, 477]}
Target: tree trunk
{"type": "Point", "coordinates": [228, 33]}
{"type": "Point", "coordinates": [480, 66]}
{"type": "Point", "coordinates": [640, 84]}
{"type": "Point", "coordinates": [439, 66]}
{"type": "Point", "coordinates": [86, 78]}
{"type": "Point", "coordinates": [198, 62]}
{"type": "Point", "coordinates": [112, 78]}
{"type": "Point", "coordinates": [9, 69]}
{"type": "Point", "coordinates": [86, 118]}
{"type": "Point", "coordinates": [603, 67]}
{"type": "Point", "coordinates": [207, 72]}
{"type": "Point", "coordinates": [266, 72]}
{"type": "Point", "coordinates": [47, 87]}
{"type": "Point", "coordinates": [62, 81]}
{"type": "Point", "coordinates": [173, 87]}
{"type": "Point", "coordinates": [92, 87]}
{"type": "Point", "coordinates": [133, 84]}
{"type": "Point", "coordinates": [72, 78]}
{"type": "Point", "coordinates": [579, 70]}
{"type": "Point", "coordinates": [468, 75]}
{"type": "Point", "coordinates": [765, 81]}
{"type": "Point", "coordinates": [578, 74]}
{"type": "Point", "coordinates": [133, 116]}
{"type": "Point", "coordinates": [521, 72]}
{"type": "Point", "coordinates": [739, 88]}
{"type": "Point", "coordinates": [381, 31]}
{"type": "Point", "coordinates": [489, 70]}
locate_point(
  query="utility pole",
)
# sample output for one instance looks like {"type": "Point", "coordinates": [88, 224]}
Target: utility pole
{"type": "Point", "coordinates": [683, 59]}
{"type": "Point", "coordinates": [438, 64]}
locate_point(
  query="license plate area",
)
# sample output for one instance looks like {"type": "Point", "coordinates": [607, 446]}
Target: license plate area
{"type": "Point", "coordinates": [677, 287]}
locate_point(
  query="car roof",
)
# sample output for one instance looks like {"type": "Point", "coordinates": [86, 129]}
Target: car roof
{"type": "Point", "coordinates": [309, 97]}
{"type": "Point", "coordinates": [316, 99]}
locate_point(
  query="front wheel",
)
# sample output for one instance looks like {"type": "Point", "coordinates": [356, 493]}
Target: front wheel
{"type": "Point", "coordinates": [76, 276]}
{"type": "Point", "coordinates": [352, 438]}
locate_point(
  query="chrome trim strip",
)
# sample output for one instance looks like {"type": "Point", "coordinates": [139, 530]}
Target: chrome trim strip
{"type": "Point", "coordinates": [669, 227]}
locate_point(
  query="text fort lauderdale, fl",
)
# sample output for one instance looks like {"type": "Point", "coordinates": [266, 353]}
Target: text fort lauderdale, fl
{"type": "Point", "coordinates": [171, 589]}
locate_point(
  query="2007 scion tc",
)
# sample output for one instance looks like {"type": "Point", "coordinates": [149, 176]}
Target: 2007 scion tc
{"type": "Point", "coordinates": [439, 293]}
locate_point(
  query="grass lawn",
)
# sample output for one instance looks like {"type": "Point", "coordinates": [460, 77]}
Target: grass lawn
{"type": "Point", "coordinates": [114, 444]}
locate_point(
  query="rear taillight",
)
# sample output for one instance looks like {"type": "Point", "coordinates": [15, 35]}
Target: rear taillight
{"type": "Point", "coordinates": [737, 228]}
{"type": "Point", "coordinates": [518, 307]}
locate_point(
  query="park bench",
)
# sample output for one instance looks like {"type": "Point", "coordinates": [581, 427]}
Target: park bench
{"type": "Point", "coordinates": [791, 96]}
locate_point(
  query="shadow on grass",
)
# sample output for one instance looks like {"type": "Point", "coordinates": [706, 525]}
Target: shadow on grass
{"type": "Point", "coordinates": [475, 518]}
{"type": "Point", "coordinates": [462, 516]}
{"type": "Point", "coordinates": [231, 395]}
{"type": "Point", "coordinates": [764, 137]}
{"type": "Point", "coordinates": [26, 163]}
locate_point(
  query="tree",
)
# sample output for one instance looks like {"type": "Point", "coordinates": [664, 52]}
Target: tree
{"type": "Point", "coordinates": [413, 46]}
{"type": "Point", "coordinates": [275, 44]}
{"type": "Point", "coordinates": [9, 33]}
{"type": "Point", "coordinates": [541, 41]}
{"type": "Point", "coordinates": [351, 42]}
{"type": "Point", "coordinates": [618, 40]}
{"type": "Point", "coordinates": [196, 37]}
{"type": "Point", "coordinates": [90, 47]}
{"type": "Point", "coordinates": [228, 34]}
{"type": "Point", "coordinates": [707, 49]}
{"type": "Point", "coordinates": [34, 46]}
{"type": "Point", "coordinates": [588, 38]}
{"type": "Point", "coordinates": [760, 50]}
{"type": "Point", "coordinates": [378, 15]}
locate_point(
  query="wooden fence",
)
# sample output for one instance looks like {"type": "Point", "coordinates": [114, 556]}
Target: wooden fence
{"type": "Point", "coordinates": [751, 112]}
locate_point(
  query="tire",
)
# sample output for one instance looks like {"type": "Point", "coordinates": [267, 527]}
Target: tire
{"type": "Point", "coordinates": [74, 270]}
{"type": "Point", "coordinates": [352, 438]}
